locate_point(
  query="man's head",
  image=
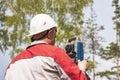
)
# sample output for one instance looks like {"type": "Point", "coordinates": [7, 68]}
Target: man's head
{"type": "Point", "coordinates": [43, 27]}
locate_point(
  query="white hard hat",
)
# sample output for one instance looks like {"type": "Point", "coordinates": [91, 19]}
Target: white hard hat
{"type": "Point", "coordinates": [40, 23]}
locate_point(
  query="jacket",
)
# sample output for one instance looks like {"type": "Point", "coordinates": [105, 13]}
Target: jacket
{"type": "Point", "coordinates": [43, 62]}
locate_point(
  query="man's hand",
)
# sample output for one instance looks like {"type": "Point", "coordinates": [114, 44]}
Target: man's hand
{"type": "Point", "coordinates": [83, 65]}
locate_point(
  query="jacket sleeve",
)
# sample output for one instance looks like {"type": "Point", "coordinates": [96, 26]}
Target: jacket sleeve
{"type": "Point", "coordinates": [68, 65]}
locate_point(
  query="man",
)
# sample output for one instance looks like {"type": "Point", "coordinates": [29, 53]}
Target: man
{"type": "Point", "coordinates": [42, 60]}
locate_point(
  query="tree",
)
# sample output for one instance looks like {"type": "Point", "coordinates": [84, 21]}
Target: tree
{"type": "Point", "coordinates": [113, 49]}
{"type": "Point", "coordinates": [67, 13]}
{"type": "Point", "coordinates": [107, 54]}
{"type": "Point", "coordinates": [3, 31]}
{"type": "Point", "coordinates": [116, 19]}
{"type": "Point", "coordinates": [106, 74]}
{"type": "Point", "coordinates": [92, 37]}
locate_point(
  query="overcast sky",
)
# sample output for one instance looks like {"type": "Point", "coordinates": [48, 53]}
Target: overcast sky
{"type": "Point", "coordinates": [104, 12]}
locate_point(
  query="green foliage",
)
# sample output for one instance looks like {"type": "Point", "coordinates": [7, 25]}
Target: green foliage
{"type": "Point", "coordinates": [2, 10]}
{"type": "Point", "coordinates": [91, 65]}
{"type": "Point", "coordinates": [3, 30]}
{"type": "Point", "coordinates": [115, 3]}
{"type": "Point", "coordinates": [114, 67]}
{"type": "Point", "coordinates": [67, 13]}
{"type": "Point", "coordinates": [106, 74]}
{"type": "Point", "coordinates": [109, 52]}
{"type": "Point", "coordinates": [117, 28]}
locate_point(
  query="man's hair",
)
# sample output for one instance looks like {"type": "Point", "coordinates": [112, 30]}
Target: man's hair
{"type": "Point", "coordinates": [39, 36]}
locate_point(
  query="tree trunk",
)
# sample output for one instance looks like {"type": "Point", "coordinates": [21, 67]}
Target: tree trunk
{"type": "Point", "coordinates": [117, 51]}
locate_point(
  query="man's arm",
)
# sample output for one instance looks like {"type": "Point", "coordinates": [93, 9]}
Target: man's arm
{"type": "Point", "coordinates": [69, 66]}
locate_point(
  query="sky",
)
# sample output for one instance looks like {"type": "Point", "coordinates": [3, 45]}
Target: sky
{"type": "Point", "coordinates": [4, 60]}
{"type": "Point", "coordinates": [104, 12]}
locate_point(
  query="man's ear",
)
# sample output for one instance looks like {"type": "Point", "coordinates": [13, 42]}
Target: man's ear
{"type": "Point", "coordinates": [50, 34]}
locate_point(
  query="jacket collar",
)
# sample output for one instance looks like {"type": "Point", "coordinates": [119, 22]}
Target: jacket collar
{"type": "Point", "coordinates": [38, 42]}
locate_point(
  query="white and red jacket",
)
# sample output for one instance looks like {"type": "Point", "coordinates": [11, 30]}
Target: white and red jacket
{"type": "Point", "coordinates": [43, 62]}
